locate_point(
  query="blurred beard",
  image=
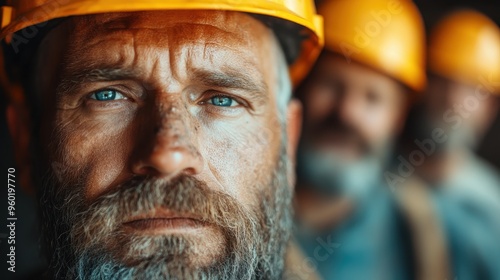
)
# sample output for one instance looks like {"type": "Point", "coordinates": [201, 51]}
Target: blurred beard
{"type": "Point", "coordinates": [331, 174]}
{"type": "Point", "coordinates": [458, 138]}
{"type": "Point", "coordinates": [350, 170]}
{"type": "Point", "coordinates": [87, 241]}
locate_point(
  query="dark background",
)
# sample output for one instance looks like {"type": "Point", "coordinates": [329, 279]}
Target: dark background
{"type": "Point", "coordinates": [27, 249]}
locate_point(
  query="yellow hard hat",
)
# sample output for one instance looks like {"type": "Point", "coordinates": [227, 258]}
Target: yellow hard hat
{"type": "Point", "coordinates": [24, 13]}
{"type": "Point", "coordinates": [387, 35]}
{"type": "Point", "coordinates": [465, 46]}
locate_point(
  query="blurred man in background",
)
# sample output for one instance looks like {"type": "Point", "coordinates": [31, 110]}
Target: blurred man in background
{"type": "Point", "coordinates": [152, 154]}
{"type": "Point", "coordinates": [460, 105]}
{"type": "Point", "coordinates": [355, 103]}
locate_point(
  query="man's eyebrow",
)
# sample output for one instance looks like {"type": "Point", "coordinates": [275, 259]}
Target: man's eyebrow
{"type": "Point", "coordinates": [72, 81]}
{"type": "Point", "coordinates": [230, 78]}
{"type": "Point", "coordinates": [233, 79]}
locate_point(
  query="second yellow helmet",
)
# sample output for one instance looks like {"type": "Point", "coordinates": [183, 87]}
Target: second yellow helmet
{"type": "Point", "coordinates": [387, 35]}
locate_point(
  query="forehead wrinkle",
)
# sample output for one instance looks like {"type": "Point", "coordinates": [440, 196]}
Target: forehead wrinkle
{"type": "Point", "coordinates": [132, 41]}
{"type": "Point", "coordinates": [118, 62]}
{"type": "Point", "coordinates": [206, 23]}
{"type": "Point", "coordinates": [81, 54]}
{"type": "Point", "coordinates": [231, 31]}
{"type": "Point", "coordinates": [218, 56]}
{"type": "Point", "coordinates": [186, 29]}
{"type": "Point", "coordinates": [91, 40]}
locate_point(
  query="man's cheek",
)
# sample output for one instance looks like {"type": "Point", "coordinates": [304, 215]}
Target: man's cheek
{"type": "Point", "coordinates": [380, 127]}
{"type": "Point", "coordinates": [246, 156]}
{"type": "Point", "coordinates": [90, 147]}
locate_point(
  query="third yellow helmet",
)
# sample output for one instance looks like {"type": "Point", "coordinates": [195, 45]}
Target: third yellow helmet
{"type": "Point", "coordinates": [465, 46]}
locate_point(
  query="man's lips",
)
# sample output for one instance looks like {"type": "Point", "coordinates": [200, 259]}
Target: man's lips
{"type": "Point", "coordinates": [163, 221]}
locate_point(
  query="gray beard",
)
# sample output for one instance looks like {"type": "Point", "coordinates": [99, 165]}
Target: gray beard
{"type": "Point", "coordinates": [83, 241]}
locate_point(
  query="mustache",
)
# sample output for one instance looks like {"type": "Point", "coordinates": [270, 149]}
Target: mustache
{"type": "Point", "coordinates": [334, 123]}
{"type": "Point", "coordinates": [338, 126]}
{"type": "Point", "coordinates": [104, 217]}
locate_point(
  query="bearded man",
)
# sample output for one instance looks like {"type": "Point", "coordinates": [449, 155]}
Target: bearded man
{"type": "Point", "coordinates": [163, 133]}
{"type": "Point", "coordinates": [356, 98]}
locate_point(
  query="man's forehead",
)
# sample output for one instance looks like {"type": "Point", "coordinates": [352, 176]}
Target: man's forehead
{"type": "Point", "coordinates": [216, 37]}
{"type": "Point", "coordinates": [225, 27]}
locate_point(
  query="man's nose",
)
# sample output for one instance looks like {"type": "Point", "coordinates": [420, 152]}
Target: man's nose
{"type": "Point", "coordinates": [169, 150]}
{"type": "Point", "coordinates": [349, 108]}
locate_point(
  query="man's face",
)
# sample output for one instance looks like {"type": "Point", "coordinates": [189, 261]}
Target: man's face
{"type": "Point", "coordinates": [350, 109]}
{"type": "Point", "coordinates": [465, 110]}
{"type": "Point", "coordinates": [164, 140]}
{"type": "Point", "coordinates": [351, 113]}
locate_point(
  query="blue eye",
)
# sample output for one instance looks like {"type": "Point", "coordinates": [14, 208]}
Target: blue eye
{"type": "Point", "coordinates": [222, 101]}
{"type": "Point", "coordinates": [107, 95]}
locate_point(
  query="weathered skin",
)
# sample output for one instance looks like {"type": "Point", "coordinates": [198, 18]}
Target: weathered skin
{"type": "Point", "coordinates": [166, 67]}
